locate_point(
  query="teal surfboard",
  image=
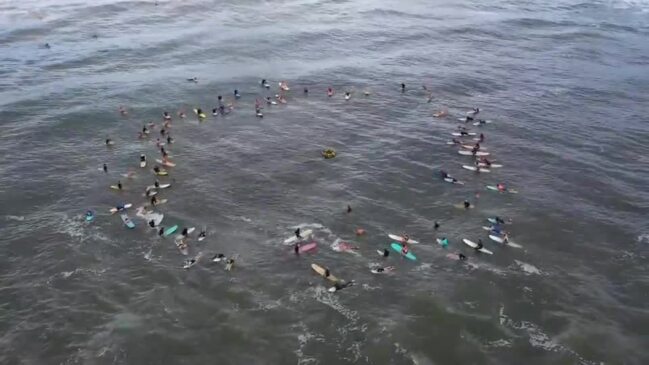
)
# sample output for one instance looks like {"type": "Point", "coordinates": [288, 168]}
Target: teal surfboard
{"type": "Point", "coordinates": [170, 230]}
{"type": "Point", "coordinates": [397, 247]}
{"type": "Point", "coordinates": [127, 221]}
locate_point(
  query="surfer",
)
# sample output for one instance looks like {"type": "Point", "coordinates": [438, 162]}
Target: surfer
{"type": "Point", "coordinates": [199, 112]}
{"type": "Point", "coordinates": [436, 226]}
{"type": "Point", "coordinates": [152, 223]}
{"type": "Point", "coordinates": [445, 175]}
{"type": "Point", "coordinates": [297, 234]}
{"type": "Point", "coordinates": [161, 231]}
{"type": "Point", "coordinates": [485, 161]}
{"type": "Point", "coordinates": [105, 167]}
{"type": "Point", "coordinates": [306, 91]}
{"type": "Point", "coordinates": [109, 141]}
{"type": "Point", "coordinates": [349, 208]}
{"type": "Point", "coordinates": [348, 95]}
{"type": "Point", "coordinates": [330, 92]}
{"type": "Point", "coordinates": [202, 235]}
{"type": "Point", "coordinates": [461, 256]}
{"type": "Point", "coordinates": [474, 111]}
{"type": "Point", "coordinates": [185, 232]}
{"type": "Point", "coordinates": [479, 246]}
{"type": "Point", "coordinates": [154, 200]}
{"type": "Point", "coordinates": [142, 158]}
{"type": "Point", "coordinates": [236, 94]}
{"type": "Point", "coordinates": [379, 269]}
{"type": "Point", "coordinates": [404, 249]}
{"type": "Point", "coordinates": [123, 111]}
{"type": "Point", "coordinates": [189, 263]}
{"type": "Point", "coordinates": [327, 274]}
{"type": "Point", "coordinates": [119, 185]}
{"type": "Point", "coordinates": [467, 204]}
{"type": "Point", "coordinates": [444, 242]}
{"type": "Point", "coordinates": [499, 220]}
{"type": "Point", "coordinates": [481, 137]}
{"type": "Point", "coordinates": [386, 252]}
{"type": "Point", "coordinates": [145, 130]}
{"type": "Point", "coordinates": [296, 248]}
{"type": "Point", "coordinates": [218, 257]}
{"type": "Point", "coordinates": [342, 285]}
{"type": "Point", "coordinates": [501, 187]}
{"type": "Point", "coordinates": [403, 87]}
{"type": "Point", "coordinates": [229, 263]}
{"type": "Point", "coordinates": [166, 116]}
{"type": "Point", "coordinates": [193, 79]}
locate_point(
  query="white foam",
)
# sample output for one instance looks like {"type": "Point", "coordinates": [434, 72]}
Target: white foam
{"type": "Point", "coordinates": [528, 268]}
{"type": "Point", "coordinates": [18, 218]}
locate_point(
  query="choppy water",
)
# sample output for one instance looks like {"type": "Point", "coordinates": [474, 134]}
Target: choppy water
{"type": "Point", "coordinates": [565, 82]}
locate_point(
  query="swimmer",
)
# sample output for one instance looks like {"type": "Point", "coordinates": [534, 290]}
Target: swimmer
{"type": "Point", "coordinates": [163, 132]}
{"type": "Point", "coordinates": [341, 285]}
{"type": "Point", "coordinates": [481, 137]}
{"type": "Point", "coordinates": [47, 45]}
{"type": "Point", "coordinates": [219, 99]}
{"type": "Point", "coordinates": [380, 270]}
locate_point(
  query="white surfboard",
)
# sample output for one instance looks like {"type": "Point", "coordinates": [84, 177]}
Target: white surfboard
{"type": "Point", "coordinates": [450, 180]}
{"type": "Point", "coordinates": [160, 186]}
{"type": "Point", "coordinates": [501, 240]}
{"type": "Point", "coordinates": [458, 134]}
{"type": "Point", "coordinates": [400, 238]}
{"type": "Point", "coordinates": [150, 193]}
{"type": "Point", "coordinates": [469, 153]}
{"type": "Point", "coordinates": [474, 245]}
{"type": "Point", "coordinates": [492, 166]}
{"type": "Point", "coordinates": [167, 164]}
{"type": "Point", "coordinates": [305, 234]}
{"type": "Point", "coordinates": [473, 168]}
{"type": "Point", "coordinates": [470, 147]}
{"type": "Point", "coordinates": [143, 163]}
{"type": "Point", "coordinates": [478, 123]}
{"type": "Point", "coordinates": [114, 210]}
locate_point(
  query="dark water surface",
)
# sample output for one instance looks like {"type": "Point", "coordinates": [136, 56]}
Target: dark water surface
{"type": "Point", "coordinates": [565, 82]}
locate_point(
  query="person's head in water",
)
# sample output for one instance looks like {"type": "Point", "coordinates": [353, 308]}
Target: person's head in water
{"type": "Point", "coordinates": [461, 256]}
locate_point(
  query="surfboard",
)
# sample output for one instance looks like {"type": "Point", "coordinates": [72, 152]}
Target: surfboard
{"type": "Point", "coordinates": [380, 252]}
{"type": "Point", "coordinates": [189, 263]}
{"type": "Point", "coordinates": [458, 134]}
{"type": "Point", "coordinates": [115, 210]}
{"type": "Point", "coordinates": [201, 115]}
{"type": "Point", "coordinates": [474, 245]}
{"type": "Point", "coordinates": [169, 231]}
{"type": "Point", "coordinates": [160, 186]}
{"type": "Point", "coordinates": [400, 239]}
{"type": "Point", "coordinates": [478, 123]}
{"type": "Point", "coordinates": [347, 97]}
{"type": "Point", "coordinates": [469, 153]}
{"type": "Point", "coordinates": [219, 257]}
{"type": "Point", "coordinates": [189, 231]}
{"type": "Point", "coordinates": [167, 164]}
{"type": "Point", "coordinates": [142, 163]}
{"type": "Point", "coordinates": [501, 240]}
{"type": "Point", "coordinates": [439, 241]}
{"type": "Point", "coordinates": [150, 193]}
{"type": "Point", "coordinates": [450, 180]}
{"type": "Point", "coordinates": [321, 271]}
{"type": "Point", "coordinates": [397, 247]}
{"type": "Point", "coordinates": [492, 166]}
{"type": "Point", "coordinates": [461, 206]}
{"type": "Point", "coordinates": [161, 173]}
{"type": "Point", "coordinates": [127, 221]}
{"type": "Point", "coordinates": [495, 188]}
{"type": "Point", "coordinates": [308, 247]}
{"type": "Point", "coordinates": [90, 217]}
{"type": "Point", "coordinates": [160, 202]}
{"type": "Point", "coordinates": [473, 168]}
{"type": "Point", "coordinates": [386, 270]}
{"type": "Point", "coordinates": [470, 147]}
{"type": "Point", "coordinates": [115, 187]}
{"type": "Point", "coordinates": [304, 234]}
{"type": "Point", "coordinates": [494, 221]}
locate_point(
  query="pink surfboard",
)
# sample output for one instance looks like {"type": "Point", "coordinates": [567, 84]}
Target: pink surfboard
{"type": "Point", "coordinates": [308, 247]}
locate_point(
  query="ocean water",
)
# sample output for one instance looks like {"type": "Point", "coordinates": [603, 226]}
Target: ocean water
{"type": "Point", "coordinates": [564, 82]}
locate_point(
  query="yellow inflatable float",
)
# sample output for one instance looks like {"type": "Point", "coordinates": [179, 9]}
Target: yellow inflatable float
{"type": "Point", "coordinates": [329, 153]}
